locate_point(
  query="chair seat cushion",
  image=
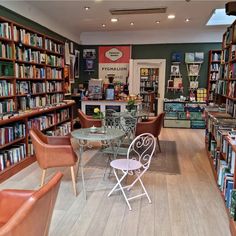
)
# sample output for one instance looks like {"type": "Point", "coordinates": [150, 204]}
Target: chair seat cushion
{"type": "Point", "coordinates": [124, 164]}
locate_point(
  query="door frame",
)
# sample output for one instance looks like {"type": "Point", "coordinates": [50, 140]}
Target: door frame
{"type": "Point", "coordinates": [134, 77]}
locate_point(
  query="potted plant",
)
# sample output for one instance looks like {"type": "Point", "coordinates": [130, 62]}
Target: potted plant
{"type": "Point", "coordinates": [131, 105]}
{"type": "Point", "coordinates": [97, 114]}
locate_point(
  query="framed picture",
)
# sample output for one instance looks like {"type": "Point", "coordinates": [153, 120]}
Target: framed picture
{"type": "Point", "coordinates": [76, 64]}
{"type": "Point", "coordinates": [193, 70]}
{"type": "Point", "coordinates": [72, 76]}
{"type": "Point", "coordinates": [189, 57]}
{"type": "Point", "coordinates": [176, 57]}
{"type": "Point", "coordinates": [89, 54]}
{"type": "Point", "coordinates": [174, 70]}
{"type": "Point", "coordinates": [199, 57]}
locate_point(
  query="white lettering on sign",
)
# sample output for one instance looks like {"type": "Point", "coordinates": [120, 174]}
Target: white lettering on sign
{"type": "Point", "coordinates": [114, 54]}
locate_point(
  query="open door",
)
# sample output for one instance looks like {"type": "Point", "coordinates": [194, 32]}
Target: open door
{"type": "Point", "coordinates": [147, 78]}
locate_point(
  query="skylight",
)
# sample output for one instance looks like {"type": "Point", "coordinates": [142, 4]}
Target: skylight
{"type": "Point", "coordinates": [219, 17]}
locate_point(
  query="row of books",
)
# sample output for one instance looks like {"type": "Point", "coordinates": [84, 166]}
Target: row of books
{"type": "Point", "coordinates": [216, 56]}
{"type": "Point", "coordinates": [231, 107]}
{"type": "Point", "coordinates": [222, 87]}
{"type": "Point", "coordinates": [215, 75]}
{"type": "Point", "coordinates": [55, 61]}
{"type": "Point", "coordinates": [54, 98]}
{"type": "Point", "coordinates": [29, 55]}
{"type": "Point", "coordinates": [225, 55]}
{"type": "Point", "coordinates": [27, 87]}
{"type": "Point", "coordinates": [53, 73]}
{"type": "Point", "coordinates": [6, 88]}
{"type": "Point", "coordinates": [7, 106]}
{"type": "Point", "coordinates": [25, 103]}
{"type": "Point", "coordinates": [6, 50]}
{"type": "Point", "coordinates": [224, 71]}
{"type": "Point", "coordinates": [61, 130]}
{"type": "Point", "coordinates": [232, 89]}
{"type": "Point", "coordinates": [52, 46]}
{"type": "Point", "coordinates": [12, 156]}
{"type": "Point", "coordinates": [53, 86]}
{"type": "Point", "coordinates": [214, 67]}
{"type": "Point", "coordinates": [48, 120]}
{"type": "Point", "coordinates": [10, 133]}
{"type": "Point", "coordinates": [5, 30]}
{"type": "Point", "coordinates": [22, 36]}
{"type": "Point", "coordinates": [29, 71]}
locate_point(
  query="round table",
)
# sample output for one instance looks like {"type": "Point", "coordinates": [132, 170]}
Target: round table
{"type": "Point", "coordinates": [83, 136]}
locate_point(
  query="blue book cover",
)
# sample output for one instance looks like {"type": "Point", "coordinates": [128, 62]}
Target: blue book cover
{"type": "Point", "coordinates": [230, 186]}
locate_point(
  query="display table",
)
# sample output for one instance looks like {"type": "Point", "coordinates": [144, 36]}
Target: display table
{"type": "Point", "coordinates": [117, 105]}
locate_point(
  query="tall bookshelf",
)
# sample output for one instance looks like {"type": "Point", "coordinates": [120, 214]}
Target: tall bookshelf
{"type": "Point", "coordinates": [220, 143]}
{"type": "Point", "coordinates": [149, 81]}
{"type": "Point", "coordinates": [31, 93]}
{"type": "Point", "coordinates": [213, 74]}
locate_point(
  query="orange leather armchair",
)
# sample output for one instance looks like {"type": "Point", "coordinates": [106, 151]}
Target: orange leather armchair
{"type": "Point", "coordinates": [87, 121]}
{"type": "Point", "coordinates": [28, 212]}
{"type": "Point", "coordinates": [53, 151]}
{"type": "Point", "coordinates": [153, 126]}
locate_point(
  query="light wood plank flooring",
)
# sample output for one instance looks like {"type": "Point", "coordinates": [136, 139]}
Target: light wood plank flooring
{"type": "Point", "coordinates": [188, 203]}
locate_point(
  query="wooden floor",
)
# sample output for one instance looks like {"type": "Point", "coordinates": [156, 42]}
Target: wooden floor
{"type": "Point", "coordinates": [185, 204]}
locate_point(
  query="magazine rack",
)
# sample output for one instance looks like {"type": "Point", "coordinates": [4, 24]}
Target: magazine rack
{"type": "Point", "coordinates": [193, 69]}
{"type": "Point", "coordinates": [175, 82]}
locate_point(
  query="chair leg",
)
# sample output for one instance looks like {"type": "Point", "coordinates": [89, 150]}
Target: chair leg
{"type": "Point", "coordinates": [43, 177]}
{"type": "Point", "coordinates": [73, 179]}
{"type": "Point", "coordinates": [158, 142]}
{"type": "Point", "coordinates": [120, 188]}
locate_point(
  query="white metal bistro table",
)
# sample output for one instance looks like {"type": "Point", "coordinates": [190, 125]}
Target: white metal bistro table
{"type": "Point", "coordinates": [83, 136]}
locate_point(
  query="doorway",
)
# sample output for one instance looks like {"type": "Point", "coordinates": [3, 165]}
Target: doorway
{"type": "Point", "coordinates": [138, 80]}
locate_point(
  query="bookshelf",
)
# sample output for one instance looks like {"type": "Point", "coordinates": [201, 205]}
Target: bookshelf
{"type": "Point", "coordinates": [31, 93]}
{"type": "Point", "coordinates": [213, 74]}
{"type": "Point", "coordinates": [221, 151]}
{"type": "Point", "coordinates": [149, 78]}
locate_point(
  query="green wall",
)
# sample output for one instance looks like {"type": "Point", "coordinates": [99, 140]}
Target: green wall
{"type": "Point", "coordinates": [164, 51]}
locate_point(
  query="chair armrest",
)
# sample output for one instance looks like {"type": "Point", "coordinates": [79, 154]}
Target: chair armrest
{"type": "Point", "coordinates": [10, 201]}
{"type": "Point", "coordinates": [59, 140]}
{"type": "Point", "coordinates": [57, 156]}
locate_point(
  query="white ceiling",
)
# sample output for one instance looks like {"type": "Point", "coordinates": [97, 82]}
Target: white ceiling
{"type": "Point", "coordinates": [71, 16]}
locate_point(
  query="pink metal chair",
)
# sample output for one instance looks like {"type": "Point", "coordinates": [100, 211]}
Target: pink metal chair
{"type": "Point", "coordinates": [138, 160]}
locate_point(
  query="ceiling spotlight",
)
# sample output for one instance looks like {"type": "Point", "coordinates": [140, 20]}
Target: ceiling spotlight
{"type": "Point", "coordinates": [171, 16]}
{"type": "Point", "coordinates": [132, 23]}
{"type": "Point", "coordinates": [114, 19]}
{"type": "Point", "coordinates": [103, 25]}
{"type": "Point", "coordinates": [158, 22]}
{"type": "Point", "coordinates": [86, 8]}
{"type": "Point", "coordinates": [187, 20]}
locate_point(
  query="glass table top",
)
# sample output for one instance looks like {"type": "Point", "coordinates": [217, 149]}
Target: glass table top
{"type": "Point", "coordinates": [100, 134]}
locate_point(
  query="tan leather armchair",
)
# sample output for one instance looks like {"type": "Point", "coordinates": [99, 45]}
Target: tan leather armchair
{"type": "Point", "coordinates": [28, 212]}
{"type": "Point", "coordinates": [53, 151]}
{"type": "Point", "coordinates": [87, 121]}
{"type": "Point", "coordinates": [153, 126]}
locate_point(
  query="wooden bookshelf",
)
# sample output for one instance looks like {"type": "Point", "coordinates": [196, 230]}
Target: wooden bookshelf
{"type": "Point", "coordinates": [31, 63]}
{"type": "Point", "coordinates": [213, 74]}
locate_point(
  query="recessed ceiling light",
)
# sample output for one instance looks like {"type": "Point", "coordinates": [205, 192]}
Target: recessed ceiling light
{"type": "Point", "coordinates": [171, 16]}
{"type": "Point", "coordinates": [103, 25]}
{"type": "Point", "coordinates": [86, 8]}
{"type": "Point", "coordinates": [158, 22]}
{"type": "Point", "coordinates": [132, 23]}
{"type": "Point", "coordinates": [114, 19]}
{"type": "Point", "coordinates": [187, 19]}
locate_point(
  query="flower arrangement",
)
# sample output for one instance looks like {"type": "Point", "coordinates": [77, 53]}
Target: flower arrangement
{"type": "Point", "coordinates": [130, 105]}
{"type": "Point", "coordinates": [97, 113]}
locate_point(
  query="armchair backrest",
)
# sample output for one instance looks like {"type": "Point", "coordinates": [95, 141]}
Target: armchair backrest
{"type": "Point", "coordinates": [39, 141]}
{"type": "Point", "coordinates": [33, 217]}
{"type": "Point", "coordinates": [87, 122]}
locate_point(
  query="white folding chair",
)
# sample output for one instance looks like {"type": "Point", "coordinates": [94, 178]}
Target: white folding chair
{"type": "Point", "coordinates": [138, 160]}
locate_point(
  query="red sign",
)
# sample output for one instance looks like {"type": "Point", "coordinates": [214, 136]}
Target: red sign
{"type": "Point", "coordinates": [114, 54]}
